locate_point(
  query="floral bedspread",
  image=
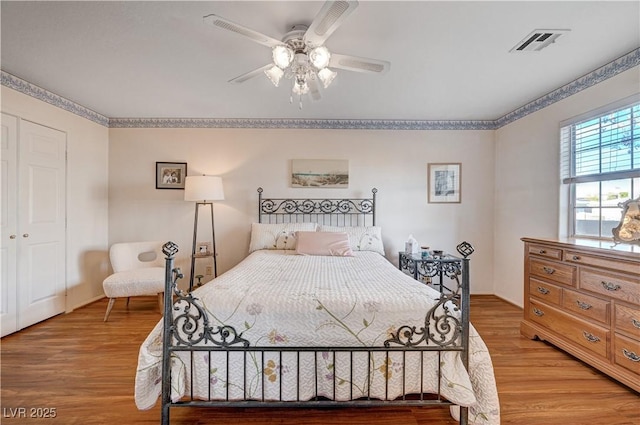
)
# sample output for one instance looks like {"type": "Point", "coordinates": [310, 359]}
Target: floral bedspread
{"type": "Point", "coordinates": [277, 298]}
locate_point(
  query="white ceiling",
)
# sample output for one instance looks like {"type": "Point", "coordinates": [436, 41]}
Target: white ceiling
{"type": "Point", "coordinates": [450, 60]}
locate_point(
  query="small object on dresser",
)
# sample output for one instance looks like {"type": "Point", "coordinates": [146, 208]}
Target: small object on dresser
{"type": "Point", "coordinates": [425, 252]}
{"type": "Point", "coordinates": [437, 253]}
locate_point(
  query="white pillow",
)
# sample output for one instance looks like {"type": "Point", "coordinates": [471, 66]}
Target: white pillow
{"type": "Point", "coordinates": [361, 238]}
{"type": "Point", "coordinates": [277, 236]}
{"type": "Point", "coordinates": [323, 243]}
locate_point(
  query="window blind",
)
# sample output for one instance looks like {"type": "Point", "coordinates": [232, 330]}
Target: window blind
{"type": "Point", "coordinates": [605, 147]}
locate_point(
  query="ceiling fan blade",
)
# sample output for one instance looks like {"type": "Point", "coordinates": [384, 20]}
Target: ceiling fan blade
{"type": "Point", "coordinates": [314, 89]}
{"type": "Point", "coordinates": [244, 77]}
{"type": "Point", "coordinates": [252, 35]}
{"type": "Point", "coordinates": [328, 20]}
{"type": "Point", "coordinates": [354, 63]}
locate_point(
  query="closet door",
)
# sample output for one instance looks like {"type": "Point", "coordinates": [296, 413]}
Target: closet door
{"type": "Point", "coordinates": [8, 224]}
{"type": "Point", "coordinates": [41, 266]}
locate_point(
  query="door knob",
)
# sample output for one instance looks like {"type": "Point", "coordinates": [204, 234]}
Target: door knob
{"type": "Point", "coordinates": [12, 237]}
{"type": "Point", "coordinates": [26, 235]}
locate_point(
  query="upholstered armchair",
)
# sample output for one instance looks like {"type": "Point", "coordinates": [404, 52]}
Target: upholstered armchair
{"type": "Point", "coordinates": [138, 270]}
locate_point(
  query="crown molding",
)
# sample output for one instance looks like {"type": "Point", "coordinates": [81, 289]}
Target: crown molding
{"type": "Point", "coordinates": [623, 63]}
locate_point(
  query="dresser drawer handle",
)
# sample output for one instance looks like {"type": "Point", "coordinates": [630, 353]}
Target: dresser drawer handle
{"type": "Point", "coordinates": [631, 355]}
{"type": "Point", "coordinates": [575, 258]}
{"type": "Point", "coordinates": [542, 251]}
{"type": "Point", "coordinates": [537, 312]}
{"type": "Point", "coordinates": [548, 270]}
{"type": "Point", "coordinates": [543, 291]}
{"type": "Point", "coordinates": [590, 337]}
{"type": "Point", "coordinates": [635, 323]}
{"type": "Point", "coordinates": [610, 286]}
{"type": "Point", "coordinates": [583, 305]}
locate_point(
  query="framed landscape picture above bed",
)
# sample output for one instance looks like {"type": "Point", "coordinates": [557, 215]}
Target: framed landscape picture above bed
{"type": "Point", "coordinates": [444, 183]}
{"type": "Point", "coordinates": [324, 173]}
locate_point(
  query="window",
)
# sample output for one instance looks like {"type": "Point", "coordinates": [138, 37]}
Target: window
{"type": "Point", "coordinates": [601, 165]}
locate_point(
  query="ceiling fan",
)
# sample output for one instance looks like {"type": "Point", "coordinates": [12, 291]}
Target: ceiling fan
{"type": "Point", "coordinates": [301, 55]}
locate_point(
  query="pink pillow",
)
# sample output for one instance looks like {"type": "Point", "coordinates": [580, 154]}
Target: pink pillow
{"type": "Point", "coordinates": [323, 243]}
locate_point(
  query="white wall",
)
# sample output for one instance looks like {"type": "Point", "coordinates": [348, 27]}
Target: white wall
{"type": "Point", "coordinates": [510, 184]}
{"type": "Point", "coordinates": [395, 162]}
{"type": "Point", "coordinates": [527, 179]}
{"type": "Point", "coordinates": [87, 202]}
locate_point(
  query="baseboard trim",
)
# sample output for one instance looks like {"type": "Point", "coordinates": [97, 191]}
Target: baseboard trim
{"type": "Point", "coordinates": [498, 297]}
{"type": "Point", "coordinates": [85, 302]}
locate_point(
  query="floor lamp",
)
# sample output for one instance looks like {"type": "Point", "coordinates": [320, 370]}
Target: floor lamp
{"type": "Point", "coordinates": [203, 190]}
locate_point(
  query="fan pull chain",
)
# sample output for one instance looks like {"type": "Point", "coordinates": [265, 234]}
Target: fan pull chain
{"type": "Point", "coordinates": [300, 102]}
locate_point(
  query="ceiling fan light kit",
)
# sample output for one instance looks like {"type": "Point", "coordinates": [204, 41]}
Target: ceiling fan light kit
{"type": "Point", "coordinates": [296, 62]}
{"type": "Point", "coordinates": [301, 55]}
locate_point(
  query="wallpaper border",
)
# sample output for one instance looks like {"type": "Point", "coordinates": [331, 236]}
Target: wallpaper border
{"type": "Point", "coordinates": [25, 87]}
{"type": "Point", "coordinates": [299, 124]}
{"type": "Point", "coordinates": [613, 68]}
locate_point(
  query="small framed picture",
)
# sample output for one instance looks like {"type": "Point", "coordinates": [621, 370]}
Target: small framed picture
{"type": "Point", "coordinates": [444, 183]}
{"type": "Point", "coordinates": [203, 248]}
{"type": "Point", "coordinates": [170, 175]}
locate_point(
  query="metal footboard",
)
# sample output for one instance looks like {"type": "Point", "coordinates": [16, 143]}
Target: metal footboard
{"type": "Point", "coordinates": [189, 335]}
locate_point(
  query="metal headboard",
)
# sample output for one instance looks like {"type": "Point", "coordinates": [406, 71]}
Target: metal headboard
{"type": "Point", "coordinates": [327, 211]}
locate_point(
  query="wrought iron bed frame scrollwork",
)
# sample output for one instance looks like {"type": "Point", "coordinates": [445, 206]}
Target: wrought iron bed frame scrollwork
{"type": "Point", "coordinates": [188, 329]}
{"type": "Point", "coordinates": [342, 212]}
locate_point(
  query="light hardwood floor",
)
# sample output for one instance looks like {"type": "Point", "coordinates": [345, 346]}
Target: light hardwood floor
{"type": "Point", "coordinates": [85, 369]}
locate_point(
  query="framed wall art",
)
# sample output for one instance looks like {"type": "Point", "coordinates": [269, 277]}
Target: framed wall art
{"type": "Point", "coordinates": [324, 173]}
{"type": "Point", "coordinates": [171, 175]}
{"type": "Point", "coordinates": [203, 249]}
{"type": "Point", "coordinates": [444, 183]}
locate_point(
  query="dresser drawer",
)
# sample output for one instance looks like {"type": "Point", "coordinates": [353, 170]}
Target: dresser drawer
{"type": "Point", "coordinates": [556, 272]}
{"type": "Point", "coordinates": [588, 335]}
{"type": "Point", "coordinates": [622, 287]}
{"type": "Point", "coordinates": [596, 261]}
{"type": "Point", "coordinates": [545, 291]}
{"type": "Point", "coordinates": [545, 251]}
{"type": "Point", "coordinates": [627, 320]}
{"type": "Point", "coordinates": [587, 306]}
{"type": "Point", "coordinates": [627, 353]}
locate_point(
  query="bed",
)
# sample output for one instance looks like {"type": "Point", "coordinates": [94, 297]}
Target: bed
{"type": "Point", "coordinates": [317, 316]}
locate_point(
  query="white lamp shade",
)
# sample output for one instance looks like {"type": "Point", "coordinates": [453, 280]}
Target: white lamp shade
{"type": "Point", "coordinates": [320, 57]}
{"type": "Point", "coordinates": [275, 74]}
{"type": "Point", "coordinates": [203, 188]}
{"type": "Point", "coordinates": [326, 76]}
{"type": "Point", "coordinates": [282, 56]}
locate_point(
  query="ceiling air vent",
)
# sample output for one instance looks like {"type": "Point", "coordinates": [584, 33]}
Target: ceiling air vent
{"type": "Point", "coordinates": [537, 40]}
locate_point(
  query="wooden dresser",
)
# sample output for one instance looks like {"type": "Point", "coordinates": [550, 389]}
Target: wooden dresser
{"type": "Point", "coordinates": [584, 297]}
